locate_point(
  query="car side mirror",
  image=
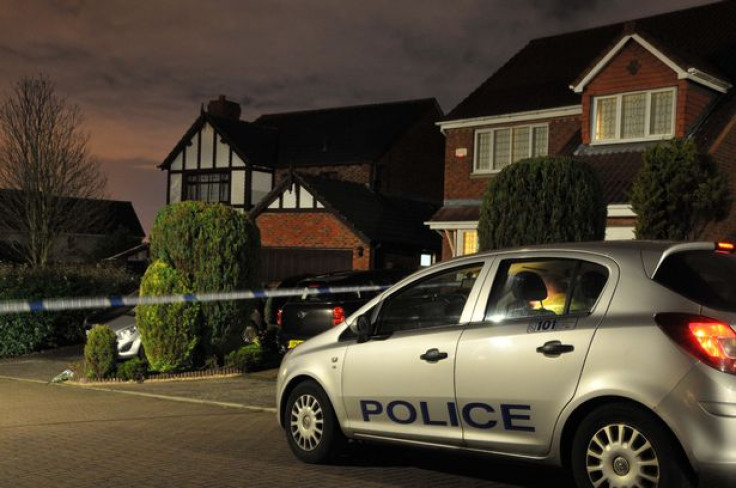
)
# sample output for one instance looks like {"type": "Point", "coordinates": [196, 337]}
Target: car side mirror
{"type": "Point", "coordinates": [362, 328]}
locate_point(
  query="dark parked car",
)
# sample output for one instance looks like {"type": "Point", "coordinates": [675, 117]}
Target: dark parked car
{"type": "Point", "coordinates": [307, 315]}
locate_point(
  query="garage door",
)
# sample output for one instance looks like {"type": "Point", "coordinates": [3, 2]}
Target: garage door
{"type": "Point", "coordinates": [280, 263]}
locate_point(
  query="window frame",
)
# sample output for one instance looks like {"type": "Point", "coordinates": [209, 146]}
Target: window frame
{"type": "Point", "coordinates": [225, 176]}
{"type": "Point", "coordinates": [491, 131]}
{"type": "Point", "coordinates": [647, 117]}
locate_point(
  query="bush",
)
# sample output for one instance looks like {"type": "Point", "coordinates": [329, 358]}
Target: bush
{"type": "Point", "coordinates": [678, 192]}
{"type": "Point", "coordinates": [247, 358]}
{"type": "Point", "coordinates": [542, 200]}
{"type": "Point", "coordinates": [28, 332]}
{"type": "Point", "coordinates": [216, 249]}
{"type": "Point", "coordinates": [100, 353]}
{"type": "Point", "coordinates": [135, 369]}
{"type": "Point", "coordinates": [169, 333]}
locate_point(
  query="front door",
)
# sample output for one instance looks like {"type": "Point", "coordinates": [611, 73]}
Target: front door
{"type": "Point", "coordinates": [400, 384]}
{"type": "Point", "coordinates": [518, 367]}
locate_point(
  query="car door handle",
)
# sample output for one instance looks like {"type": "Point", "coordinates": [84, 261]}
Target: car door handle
{"type": "Point", "coordinates": [555, 348]}
{"type": "Point", "coordinates": [433, 355]}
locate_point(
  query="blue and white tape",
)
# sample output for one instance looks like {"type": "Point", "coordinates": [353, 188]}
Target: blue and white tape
{"type": "Point", "coordinates": [85, 303]}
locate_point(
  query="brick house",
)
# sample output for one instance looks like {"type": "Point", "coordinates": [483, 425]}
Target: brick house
{"type": "Point", "coordinates": [380, 154]}
{"type": "Point", "coordinates": [603, 95]}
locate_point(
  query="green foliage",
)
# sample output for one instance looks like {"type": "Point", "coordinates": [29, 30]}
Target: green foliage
{"type": "Point", "coordinates": [247, 358]}
{"type": "Point", "coordinates": [542, 200]}
{"type": "Point", "coordinates": [169, 333]}
{"type": "Point", "coordinates": [100, 353]}
{"type": "Point", "coordinates": [29, 332]}
{"type": "Point", "coordinates": [678, 192]}
{"type": "Point", "coordinates": [217, 249]}
{"type": "Point", "coordinates": [135, 369]}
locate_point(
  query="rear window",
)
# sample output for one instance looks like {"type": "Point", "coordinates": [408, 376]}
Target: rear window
{"type": "Point", "coordinates": [706, 277]}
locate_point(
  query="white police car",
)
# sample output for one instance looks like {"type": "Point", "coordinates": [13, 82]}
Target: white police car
{"type": "Point", "coordinates": [615, 359]}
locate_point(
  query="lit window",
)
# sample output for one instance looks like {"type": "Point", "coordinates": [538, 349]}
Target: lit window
{"type": "Point", "coordinates": [497, 148]}
{"type": "Point", "coordinates": [634, 116]}
{"type": "Point", "coordinates": [467, 242]}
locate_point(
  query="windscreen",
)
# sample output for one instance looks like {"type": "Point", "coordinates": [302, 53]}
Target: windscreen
{"type": "Point", "coordinates": [706, 277]}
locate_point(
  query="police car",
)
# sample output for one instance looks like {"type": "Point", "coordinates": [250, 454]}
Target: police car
{"type": "Point", "coordinates": [614, 359]}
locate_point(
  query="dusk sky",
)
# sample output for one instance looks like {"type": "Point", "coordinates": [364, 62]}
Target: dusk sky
{"type": "Point", "coordinates": [140, 70]}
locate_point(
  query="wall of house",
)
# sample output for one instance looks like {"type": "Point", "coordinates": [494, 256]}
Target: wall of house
{"type": "Point", "coordinates": [317, 230]}
{"type": "Point", "coordinates": [414, 166]}
{"type": "Point", "coordinates": [723, 152]}
{"type": "Point", "coordinates": [357, 173]}
{"type": "Point", "coordinates": [461, 184]}
{"type": "Point", "coordinates": [650, 73]}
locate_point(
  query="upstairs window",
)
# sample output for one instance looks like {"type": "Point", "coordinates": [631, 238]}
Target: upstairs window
{"type": "Point", "coordinates": [208, 187]}
{"type": "Point", "coordinates": [634, 116]}
{"type": "Point", "coordinates": [497, 148]}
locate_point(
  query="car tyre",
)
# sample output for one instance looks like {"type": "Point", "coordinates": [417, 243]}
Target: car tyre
{"type": "Point", "coordinates": [621, 445]}
{"type": "Point", "coordinates": [311, 426]}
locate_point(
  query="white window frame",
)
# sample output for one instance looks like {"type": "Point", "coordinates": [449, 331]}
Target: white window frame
{"type": "Point", "coordinates": [478, 133]}
{"type": "Point", "coordinates": [647, 117]}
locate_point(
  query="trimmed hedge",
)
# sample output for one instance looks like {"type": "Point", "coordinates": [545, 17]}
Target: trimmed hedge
{"type": "Point", "coordinates": [100, 353]}
{"type": "Point", "coordinates": [217, 250]}
{"type": "Point", "coordinates": [29, 332]}
{"type": "Point", "coordinates": [542, 200]}
{"type": "Point", "coordinates": [169, 333]}
{"type": "Point", "coordinates": [678, 192]}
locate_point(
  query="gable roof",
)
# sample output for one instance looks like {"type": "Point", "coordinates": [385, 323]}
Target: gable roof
{"type": "Point", "coordinates": [344, 135]}
{"type": "Point", "coordinates": [254, 144]}
{"type": "Point", "coordinates": [539, 76]}
{"type": "Point", "coordinates": [373, 217]}
{"type": "Point", "coordinates": [113, 214]}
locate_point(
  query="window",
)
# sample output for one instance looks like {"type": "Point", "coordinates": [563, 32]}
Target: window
{"type": "Point", "coordinates": [467, 242]}
{"type": "Point", "coordinates": [547, 287]}
{"type": "Point", "coordinates": [634, 116]}
{"type": "Point", "coordinates": [260, 186]}
{"type": "Point", "coordinates": [208, 187]}
{"type": "Point", "coordinates": [705, 277]}
{"type": "Point", "coordinates": [434, 301]}
{"type": "Point", "coordinates": [497, 148]}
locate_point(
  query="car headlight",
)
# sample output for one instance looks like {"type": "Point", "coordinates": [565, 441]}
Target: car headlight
{"type": "Point", "coordinates": [127, 332]}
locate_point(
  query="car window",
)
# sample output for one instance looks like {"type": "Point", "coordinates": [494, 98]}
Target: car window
{"type": "Point", "coordinates": [545, 287]}
{"type": "Point", "coordinates": [436, 300]}
{"type": "Point", "coordinates": [705, 277]}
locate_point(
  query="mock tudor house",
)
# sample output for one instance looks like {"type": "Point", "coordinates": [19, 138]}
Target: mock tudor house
{"type": "Point", "coordinates": [331, 189]}
{"type": "Point", "coordinates": [603, 95]}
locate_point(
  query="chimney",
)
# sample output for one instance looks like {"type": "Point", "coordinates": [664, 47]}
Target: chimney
{"type": "Point", "coordinates": [224, 108]}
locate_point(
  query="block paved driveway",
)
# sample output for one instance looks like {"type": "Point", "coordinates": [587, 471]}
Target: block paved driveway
{"type": "Point", "coordinates": [66, 436]}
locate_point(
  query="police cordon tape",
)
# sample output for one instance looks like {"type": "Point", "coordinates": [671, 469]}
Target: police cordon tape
{"type": "Point", "coordinates": [86, 303]}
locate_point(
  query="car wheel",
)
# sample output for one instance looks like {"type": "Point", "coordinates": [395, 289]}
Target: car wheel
{"type": "Point", "coordinates": [621, 445]}
{"type": "Point", "coordinates": [311, 427]}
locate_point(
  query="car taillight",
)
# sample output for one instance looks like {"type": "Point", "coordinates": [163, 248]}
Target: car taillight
{"type": "Point", "coordinates": [710, 340]}
{"type": "Point", "coordinates": [279, 314]}
{"type": "Point", "coordinates": [338, 316]}
{"type": "Point", "coordinates": [725, 247]}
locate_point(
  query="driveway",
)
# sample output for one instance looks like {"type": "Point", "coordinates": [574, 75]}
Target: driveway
{"type": "Point", "coordinates": [62, 436]}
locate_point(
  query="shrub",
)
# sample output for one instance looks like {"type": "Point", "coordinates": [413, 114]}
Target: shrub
{"type": "Point", "coordinates": [542, 200]}
{"type": "Point", "coordinates": [217, 249]}
{"type": "Point", "coordinates": [678, 192]}
{"type": "Point", "coordinates": [247, 358]}
{"type": "Point", "coordinates": [100, 353]}
{"type": "Point", "coordinates": [135, 369]}
{"type": "Point", "coordinates": [169, 332]}
{"type": "Point", "coordinates": [29, 332]}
